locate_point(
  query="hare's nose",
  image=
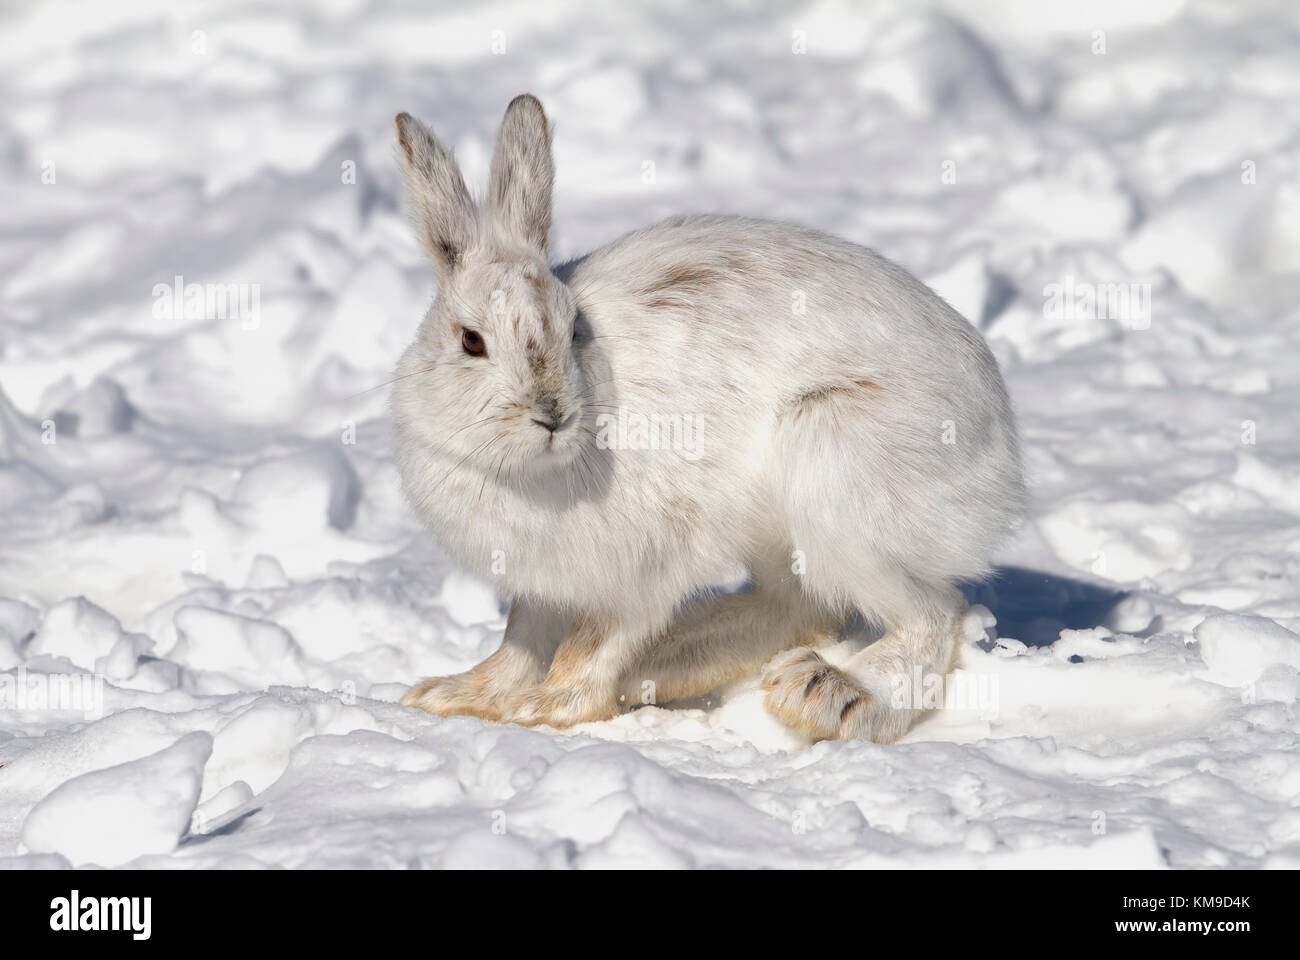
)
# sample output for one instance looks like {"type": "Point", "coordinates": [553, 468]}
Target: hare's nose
{"type": "Point", "coordinates": [550, 423]}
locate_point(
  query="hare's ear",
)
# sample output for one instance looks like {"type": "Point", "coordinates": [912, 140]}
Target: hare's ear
{"type": "Point", "coordinates": [519, 189]}
{"type": "Point", "coordinates": [444, 214]}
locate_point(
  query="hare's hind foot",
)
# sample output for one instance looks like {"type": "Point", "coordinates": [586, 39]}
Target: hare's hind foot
{"type": "Point", "coordinates": [823, 702]}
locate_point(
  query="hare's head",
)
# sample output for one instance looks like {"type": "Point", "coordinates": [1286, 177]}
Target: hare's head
{"type": "Point", "coordinates": [492, 376]}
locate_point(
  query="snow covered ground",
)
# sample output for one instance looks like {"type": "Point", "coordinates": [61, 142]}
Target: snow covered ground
{"type": "Point", "coordinates": [211, 593]}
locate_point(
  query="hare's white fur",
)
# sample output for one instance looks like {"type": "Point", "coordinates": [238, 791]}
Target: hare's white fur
{"type": "Point", "coordinates": [853, 451]}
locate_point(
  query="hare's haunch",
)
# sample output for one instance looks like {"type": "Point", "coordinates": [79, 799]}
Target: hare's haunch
{"type": "Point", "coordinates": [607, 439]}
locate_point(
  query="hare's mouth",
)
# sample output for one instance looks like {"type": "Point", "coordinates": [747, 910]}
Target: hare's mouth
{"type": "Point", "coordinates": [555, 437]}
{"type": "Point", "coordinates": [554, 427]}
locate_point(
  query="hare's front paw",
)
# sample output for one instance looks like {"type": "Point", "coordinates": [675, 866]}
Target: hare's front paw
{"type": "Point", "coordinates": [557, 707]}
{"type": "Point", "coordinates": [821, 701]}
{"type": "Point", "coordinates": [456, 696]}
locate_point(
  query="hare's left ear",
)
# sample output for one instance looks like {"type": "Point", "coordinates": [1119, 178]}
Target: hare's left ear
{"type": "Point", "coordinates": [519, 187]}
{"type": "Point", "coordinates": [444, 215]}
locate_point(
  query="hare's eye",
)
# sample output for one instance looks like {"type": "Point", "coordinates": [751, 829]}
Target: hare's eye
{"type": "Point", "coordinates": [473, 343]}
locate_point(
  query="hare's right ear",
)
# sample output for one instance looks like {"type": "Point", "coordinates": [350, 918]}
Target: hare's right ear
{"type": "Point", "coordinates": [519, 185]}
{"type": "Point", "coordinates": [445, 217]}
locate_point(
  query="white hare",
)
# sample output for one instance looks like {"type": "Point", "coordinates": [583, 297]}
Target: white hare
{"type": "Point", "coordinates": [608, 439]}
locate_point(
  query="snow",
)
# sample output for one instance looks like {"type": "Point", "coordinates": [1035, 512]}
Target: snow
{"type": "Point", "coordinates": [117, 814]}
{"type": "Point", "coordinates": [1238, 650]}
{"type": "Point", "coordinates": [212, 595]}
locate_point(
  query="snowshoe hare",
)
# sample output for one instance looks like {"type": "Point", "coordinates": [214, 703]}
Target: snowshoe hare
{"type": "Point", "coordinates": [609, 439]}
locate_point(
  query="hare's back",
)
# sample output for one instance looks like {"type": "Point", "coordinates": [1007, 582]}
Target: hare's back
{"type": "Point", "coordinates": [719, 296]}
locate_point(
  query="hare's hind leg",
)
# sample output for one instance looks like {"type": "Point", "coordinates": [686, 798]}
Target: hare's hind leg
{"type": "Point", "coordinates": [531, 639]}
{"type": "Point", "coordinates": [872, 508]}
{"type": "Point", "coordinates": [860, 701]}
